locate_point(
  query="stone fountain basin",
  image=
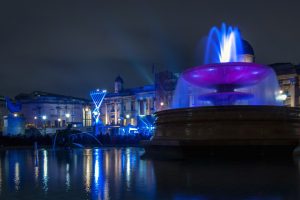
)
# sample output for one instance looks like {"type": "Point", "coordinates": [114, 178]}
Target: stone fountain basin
{"type": "Point", "coordinates": [239, 128]}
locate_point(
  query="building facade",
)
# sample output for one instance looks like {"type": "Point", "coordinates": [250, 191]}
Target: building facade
{"type": "Point", "coordinates": [165, 85]}
{"type": "Point", "coordinates": [41, 109]}
{"type": "Point", "coordinates": [288, 76]}
{"type": "Point", "coordinates": [3, 111]}
{"type": "Point", "coordinates": [124, 106]}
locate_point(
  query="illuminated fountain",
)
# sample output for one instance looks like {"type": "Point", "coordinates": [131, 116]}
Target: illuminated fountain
{"type": "Point", "coordinates": [229, 103]}
{"type": "Point", "coordinates": [229, 80]}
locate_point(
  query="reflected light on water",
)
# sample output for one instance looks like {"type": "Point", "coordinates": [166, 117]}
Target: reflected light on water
{"type": "Point", "coordinates": [17, 176]}
{"type": "Point", "coordinates": [45, 170]}
{"type": "Point", "coordinates": [96, 168]}
{"type": "Point", "coordinates": [87, 168]}
{"type": "Point", "coordinates": [68, 182]}
{"type": "Point", "coordinates": [100, 189]}
{"type": "Point", "coordinates": [36, 174]}
{"type": "Point", "coordinates": [119, 173]}
{"type": "Point", "coordinates": [128, 169]}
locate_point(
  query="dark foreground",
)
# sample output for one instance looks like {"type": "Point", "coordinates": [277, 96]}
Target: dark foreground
{"type": "Point", "coordinates": [120, 173]}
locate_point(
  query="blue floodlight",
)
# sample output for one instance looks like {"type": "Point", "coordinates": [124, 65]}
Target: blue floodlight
{"type": "Point", "coordinates": [97, 97]}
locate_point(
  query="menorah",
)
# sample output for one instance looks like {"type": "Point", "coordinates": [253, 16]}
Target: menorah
{"type": "Point", "coordinates": [97, 97]}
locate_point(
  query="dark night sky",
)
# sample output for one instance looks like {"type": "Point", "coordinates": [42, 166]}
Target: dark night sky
{"type": "Point", "coordinates": [70, 47]}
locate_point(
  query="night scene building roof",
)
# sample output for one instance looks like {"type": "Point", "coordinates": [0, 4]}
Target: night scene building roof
{"type": "Point", "coordinates": [132, 91]}
{"type": "Point", "coordinates": [285, 68]}
{"type": "Point", "coordinates": [45, 97]}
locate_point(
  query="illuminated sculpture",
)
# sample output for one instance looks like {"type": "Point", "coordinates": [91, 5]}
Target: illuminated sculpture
{"type": "Point", "coordinates": [97, 97]}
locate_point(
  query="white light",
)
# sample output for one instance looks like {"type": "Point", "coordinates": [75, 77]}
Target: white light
{"type": "Point", "coordinates": [227, 43]}
{"type": "Point", "coordinates": [59, 119]}
{"type": "Point", "coordinates": [280, 92]}
{"type": "Point", "coordinates": [35, 117]}
{"type": "Point", "coordinates": [281, 97]}
{"type": "Point", "coordinates": [44, 117]}
{"type": "Point", "coordinates": [132, 129]}
{"type": "Point", "coordinates": [86, 109]}
{"type": "Point", "coordinates": [74, 125]}
{"type": "Point", "coordinates": [161, 103]}
{"type": "Point", "coordinates": [15, 115]}
{"type": "Point", "coordinates": [127, 116]}
{"type": "Point", "coordinates": [68, 115]}
{"type": "Point", "coordinates": [104, 91]}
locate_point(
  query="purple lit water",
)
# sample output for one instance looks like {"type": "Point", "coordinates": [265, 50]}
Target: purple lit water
{"type": "Point", "coordinates": [236, 74]}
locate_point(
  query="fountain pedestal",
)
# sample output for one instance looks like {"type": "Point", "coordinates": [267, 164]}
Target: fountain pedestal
{"type": "Point", "coordinates": [231, 130]}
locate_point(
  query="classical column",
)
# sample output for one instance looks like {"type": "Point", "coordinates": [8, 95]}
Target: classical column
{"type": "Point", "coordinates": [293, 92]}
{"type": "Point", "coordinates": [106, 114]}
{"type": "Point", "coordinates": [116, 113]}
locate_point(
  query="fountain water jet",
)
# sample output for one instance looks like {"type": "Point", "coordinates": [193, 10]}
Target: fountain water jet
{"type": "Point", "coordinates": [226, 105]}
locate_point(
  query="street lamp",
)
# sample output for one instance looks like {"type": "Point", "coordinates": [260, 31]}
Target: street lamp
{"type": "Point", "coordinates": [44, 117]}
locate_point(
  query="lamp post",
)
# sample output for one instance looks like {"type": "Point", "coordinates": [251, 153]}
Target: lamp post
{"type": "Point", "coordinates": [59, 122]}
{"type": "Point", "coordinates": [67, 116]}
{"type": "Point", "coordinates": [44, 118]}
{"type": "Point", "coordinates": [85, 115]}
{"type": "Point", "coordinates": [35, 123]}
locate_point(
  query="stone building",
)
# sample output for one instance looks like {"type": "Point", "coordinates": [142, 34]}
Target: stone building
{"type": "Point", "coordinates": [42, 109]}
{"type": "Point", "coordinates": [124, 106]}
{"type": "Point", "coordinates": [165, 85]}
{"type": "Point", "coordinates": [288, 77]}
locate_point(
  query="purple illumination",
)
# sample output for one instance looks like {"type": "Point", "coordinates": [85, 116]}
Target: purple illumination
{"type": "Point", "coordinates": [236, 74]}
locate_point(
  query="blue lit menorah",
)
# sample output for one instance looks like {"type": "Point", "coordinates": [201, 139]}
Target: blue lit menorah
{"type": "Point", "coordinates": [97, 97]}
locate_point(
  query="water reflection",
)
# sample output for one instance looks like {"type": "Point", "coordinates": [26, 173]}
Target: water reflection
{"type": "Point", "coordinates": [17, 176]}
{"type": "Point", "coordinates": [68, 181]}
{"type": "Point", "coordinates": [119, 173]}
{"type": "Point", "coordinates": [87, 168]}
{"type": "Point", "coordinates": [45, 170]}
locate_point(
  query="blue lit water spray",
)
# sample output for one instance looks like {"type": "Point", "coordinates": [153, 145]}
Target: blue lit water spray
{"type": "Point", "coordinates": [223, 45]}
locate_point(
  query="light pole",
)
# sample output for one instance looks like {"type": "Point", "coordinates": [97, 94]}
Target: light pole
{"type": "Point", "coordinates": [44, 117]}
{"type": "Point", "coordinates": [67, 116]}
